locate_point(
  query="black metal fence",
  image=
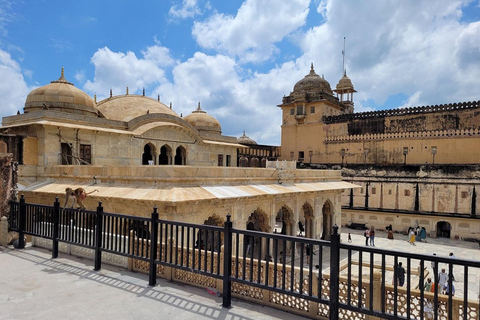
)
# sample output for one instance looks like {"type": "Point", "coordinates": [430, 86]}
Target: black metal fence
{"type": "Point", "coordinates": [325, 279]}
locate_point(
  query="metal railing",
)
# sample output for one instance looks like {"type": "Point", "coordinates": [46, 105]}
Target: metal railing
{"type": "Point", "coordinates": [325, 278]}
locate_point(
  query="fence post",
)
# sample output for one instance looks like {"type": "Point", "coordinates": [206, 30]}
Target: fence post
{"type": "Point", "coordinates": [56, 216]}
{"type": "Point", "coordinates": [21, 223]}
{"type": "Point", "coordinates": [334, 272]}
{"type": "Point", "coordinates": [98, 237]}
{"type": "Point", "coordinates": [227, 265]}
{"type": "Point", "coordinates": [152, 280]}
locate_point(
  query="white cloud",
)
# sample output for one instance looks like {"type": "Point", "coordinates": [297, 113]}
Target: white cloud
{"type": "Point", "coordinates": [252, 33]}
{"type": "Point", "coordinates": [237, 103]}
{"type": "Point", "coordinates": [418, 49]}
{"type": "Point", "coordinates": [13, 88]}
{"type": "Point", "coordinates": [188, 9]}
{"type": "Point", "coordinates": [80, 76]}
{"type": "Point", "coordinates": [117, 70]}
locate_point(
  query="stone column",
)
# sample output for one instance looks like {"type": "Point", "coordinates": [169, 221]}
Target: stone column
{"type": "Point", "coordinates": [376, 294]}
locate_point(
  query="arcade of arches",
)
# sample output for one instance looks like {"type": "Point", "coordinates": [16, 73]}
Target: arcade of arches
{"type": "Point", "coordinates": [149, 156]}
{"type": "Point", "coordinates": [304, 224]}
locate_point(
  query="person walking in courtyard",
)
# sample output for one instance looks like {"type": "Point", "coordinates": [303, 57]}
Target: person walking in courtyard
{"type": "Point", "coordinates": [349, 238]}
{"type": "Point", "coordinates": [400, 274]}
{"type": "Point", "coordinates": [366, 234]}
{"type": "Point", "coordinates": [412, 236]}
{"type": "Point", "coordinates": [428, 285]}
{"type": "Point", "coordinates": [442, 278]}
{"type": "Point", "coordinates": [372, 236]}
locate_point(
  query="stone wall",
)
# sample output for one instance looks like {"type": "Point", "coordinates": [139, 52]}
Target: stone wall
{"type": "Point", "coordinates": [8, 173]}
{"type": "Point", "coordinates": [388, 195]}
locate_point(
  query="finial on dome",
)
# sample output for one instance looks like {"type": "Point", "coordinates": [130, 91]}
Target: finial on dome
{"type": "Point", "coordinates": [158, 97]}
{"type": "Point", "coordinates": [198, 108]}
{"type": "Point", "coordinates": [243, 132]}
{"type": "Point", "coordinates": [62, 78]}
{"type": "Point", "coordinates": [95, 97]}
{"type": "Point", "coordinates": [181, 115]}
{"type": "Point", "coordinates": [311, 67]}
{"type": "Point", "coordinates": [144, 92]}
{"type": "Point", "coordinates": [170, 105]}
{"type": "Point", "coordinates": [127, 91]}
{"type": "Point", "coordinates": [110, 92]}
{"type": "Point", "coordinates": [323, 76]}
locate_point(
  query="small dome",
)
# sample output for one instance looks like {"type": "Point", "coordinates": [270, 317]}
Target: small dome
{"type": "Point", "coordinates": [201, 121]}
{"type": "Point", "coordinates": [312, 83]}
{"type": "Point", "coordinates": [60, 95]}
{"type": "Point", "coordinates": [344, 83]}
{"type": "Point", "coordinates": [128, 107]}
{"type": "Point", "coordinates": [245, 140]}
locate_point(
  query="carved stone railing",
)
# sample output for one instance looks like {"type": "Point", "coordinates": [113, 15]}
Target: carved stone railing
{"type": "Point", "coordinates": [402, 112]}
{"type": "Point", "coordinates": [405, 135]}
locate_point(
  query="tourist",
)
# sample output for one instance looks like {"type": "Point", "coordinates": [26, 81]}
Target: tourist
{"type": "Point", "coordinates": [390, 234]}
{"type": "Point", "coordinates": [372, 236]}
{"type": "Point", "coordinates": [446, 290]}
{"type": "Point", "coordinates": [429, 285]}
{"type": "Point", "coordinates": [349, 238]}
{"type": "Point", "coordinates": [412, 236]}
{"type": "Point", "coordinates": [400, 275]}
{"type": "Point", "coordinates": [442, 278]}
{"type": "Point", "coordinates": [366, 234]}
{"type": "Point", "coordinates": [452, 256]}
{"type": "Point", "coordinates": [423, 235]}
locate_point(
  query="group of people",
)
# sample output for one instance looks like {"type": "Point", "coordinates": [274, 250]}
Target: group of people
{"type": "Point", "coordinates": [369, 235]}
{"type": "Point", "coordinates": [442, 280]}
{"type": "Point", "coordinates": [417, 234]}
{"type": "Point", "coordinates": [442, 283]}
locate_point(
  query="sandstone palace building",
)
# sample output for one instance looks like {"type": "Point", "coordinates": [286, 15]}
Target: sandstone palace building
{"type": "Point", "coordinates": [139, 153]}
{"type": "Point", "coordinates": [416, 166]}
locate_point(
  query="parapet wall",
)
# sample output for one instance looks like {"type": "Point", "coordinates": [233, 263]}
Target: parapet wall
{"type": "Point", "coordinates": [406, 135]}
{"type": "Point", "coordinates": [403, 112]}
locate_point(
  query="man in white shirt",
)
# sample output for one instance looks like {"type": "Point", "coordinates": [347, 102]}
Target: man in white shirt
{"type": "Point", "coordinates": [442, 278]}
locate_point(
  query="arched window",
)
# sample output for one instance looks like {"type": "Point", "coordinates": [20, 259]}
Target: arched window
{"type": "Point", "coordinates": [180, 156]}
{"type": "Point", "coordinates": [165, 157]}
{"type": "Point", "coordinates": [148, 154]}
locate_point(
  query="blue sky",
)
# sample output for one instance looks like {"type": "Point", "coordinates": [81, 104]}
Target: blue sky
{"type": "Point", "coordinates": [239, 58]}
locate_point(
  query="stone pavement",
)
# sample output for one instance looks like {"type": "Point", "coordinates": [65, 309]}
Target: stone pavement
{"type": "Point", "coordinates": [34, 286]}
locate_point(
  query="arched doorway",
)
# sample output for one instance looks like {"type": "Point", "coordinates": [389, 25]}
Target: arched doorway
{"type": "Point", "coordinates": [148, 155]}
{"type": "Point", "coordinates": [308, 221]}
{"type": "Point", "coordinates": [443, 229]}
{"type": "Point", "coordinates": [254, 162]}
{"type": "Point", "coordinates": [243, 162]}
{"type": "Point", "coordinates": [257, 221]}
{"type": "Point", "coordinates": [165, 156]}
{"type": "Point", "coordinates": [209, 239]}
{"type": "Point", "coordinates": [180, 156]}
{"type": "Point", "coordinates": [327, 220]}
{"type": "Point", "coordinates": [284, 224]}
